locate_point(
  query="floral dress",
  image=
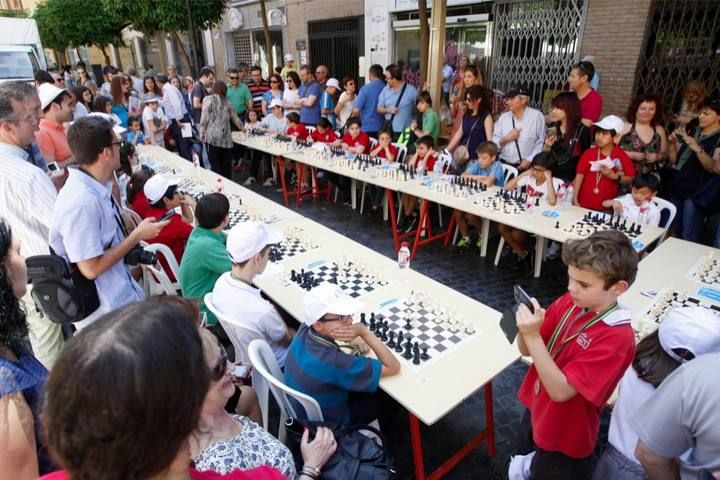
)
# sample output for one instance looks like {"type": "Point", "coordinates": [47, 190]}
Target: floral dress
{"type": "Point", "coordinates": [253, 447]}
{"type": "Point", "coordinates": [631, 142]}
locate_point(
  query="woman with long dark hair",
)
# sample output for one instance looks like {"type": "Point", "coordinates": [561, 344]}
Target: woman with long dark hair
{"type": "Point", "coordinates": [217, 112]}
{"type": "Point", "coordinates": [644, 138]}
{"type": "Point", "coordinates": [150, 87]}
{"type": "Point", "coordinates": [567, 137]}
{"type": "Point", "coordinates": [290, 93]}
{"type": "Point", "coordinates": [22, 376]}
{"type": "Point", "coordinates": [83, 101]}
{"type": "Point", "coordinates": [470, 76]}
{"type": "Point", "coordinates": [477, 122]}
{"type": "Point", "coordinates": [120, 93]}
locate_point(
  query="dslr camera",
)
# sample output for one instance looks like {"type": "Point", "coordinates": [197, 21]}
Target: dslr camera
{"type": "Point", "coordinates": [139, 256]}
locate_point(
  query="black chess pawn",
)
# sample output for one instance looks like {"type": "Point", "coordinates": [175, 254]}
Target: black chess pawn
{"type": "Point", "coordinates": [373, 318]}
{"type": "Point", "coordinates": [383, 333]}
{"type": "Point", "coordinates": [408, 323]}
{"type": "Point", "coordinates": [408, 351]}
{"type": "Point", "coordinates": [638, 230]}
{"type": "Point", "coordinates": [537, 202]}
{"type": "Point", "coordinates": [362, 319]}
{"type": "Point", "coordinates": [416, 357]}
{"type": "Point", "coordinates": [391, 339]}
{"type": "Point", "coordinates": [557, 224]}
{"type": "Point", "coordinates": [372, 323]}
{"type": "Point", "coordinates": [424, 355]}
{"type": "Point", "coordinates": [399, 344]}
{"type": "Point", "coordinates": [292, 276]}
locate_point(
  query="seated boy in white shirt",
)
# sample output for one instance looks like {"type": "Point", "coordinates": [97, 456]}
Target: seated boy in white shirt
{"type": "Point", "coordinates": [638, 207]}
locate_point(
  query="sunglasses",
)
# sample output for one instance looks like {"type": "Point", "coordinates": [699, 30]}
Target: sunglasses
{"type": "Point", "coordinates": [274, 81]}
{"type": "Point", "coordinates": [59, 80]}
{"type": "Point", "coordinates": [234, 78]}
{"type": "Point", "coordinates": [289, 80]}
{"type": "Point", "coordinates": [218, 371]}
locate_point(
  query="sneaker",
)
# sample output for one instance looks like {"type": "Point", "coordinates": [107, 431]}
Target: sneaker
{"type": "Point", "coordinates": [463, 244]}
{"type": "Point", "coordinates": [478, 243]}
{"type": "Point", "coordinates": [553, 251]}
{"type": "Point", "coordinates": [249, 181]}
{"type": "Point", "coordinates": [412, 222]}
{"type": "Point", "coordinates": [269, 182]}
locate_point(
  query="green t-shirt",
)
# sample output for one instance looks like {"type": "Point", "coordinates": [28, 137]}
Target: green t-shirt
{"type": "Point", "coordinates": [204, 260]}
{"type": "Point", "coordinates": [239, 97]}
{"type": "Point", "coordinates": [431, 124]}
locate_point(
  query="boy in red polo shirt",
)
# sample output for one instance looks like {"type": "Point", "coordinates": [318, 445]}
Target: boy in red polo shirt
{"type": "Point", "coordinates": [323, 132]}
{"type": "Point", "coordinates": [423, 161]}
{"type": "Point", "coordinates": [603, 168]}
{"type": "Point", "coordinates": [580, 347]}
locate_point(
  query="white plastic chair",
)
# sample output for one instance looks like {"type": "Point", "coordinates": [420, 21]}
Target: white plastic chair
{"type": "Point", "coordinates": [663, 204]}
{"type": "Point", "coordinates": [156, 281]}
{"type": "Point", "coordinates": [160, 249]}
{"type": "Point", "coordinates": [240, 335]}
{"type": "Point", "coordinates": [510, 172]}
{"type": "Point", "coordinates": [132, 216]}
{"type": "Point", "coordinates": [268, 376]}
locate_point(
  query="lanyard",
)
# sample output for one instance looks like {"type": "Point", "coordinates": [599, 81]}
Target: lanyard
{"type": "Point", "coordinates": [556, 334]}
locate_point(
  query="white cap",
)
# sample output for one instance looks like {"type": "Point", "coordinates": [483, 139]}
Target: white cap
{"type": "Point", "coordinates": [289, 57]}
{"type": "Point", "coordinates": [328, 298]}
{"type": "Point", "coordinates": [611, 122]}
{"type": "Point", "coordinates": [248, 239]}
{"type": "Point", "coordinates": [47, 93]}
{"type": "Point", "coordinates": [333, 82]}
{"type": "Point", "coordinates": [276, 102]}
{"type": "Point", "coordinates": [156, 186]}
{"type": "Point", "coordinates": [696, 329]}
{"type": "Point", "coordinates": [588, 58]}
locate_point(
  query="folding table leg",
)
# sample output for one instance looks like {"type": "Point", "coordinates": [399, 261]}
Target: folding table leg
{"type": "Point", "coordinates": [281, 167]}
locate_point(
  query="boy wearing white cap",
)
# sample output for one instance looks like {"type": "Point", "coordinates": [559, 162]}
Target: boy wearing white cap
{"type": "Point", "coordinates": [603, 168]}
{"type": "Point", "coordinates": [317, 366]}
{"type": "Point", "coordinates": [235, 296]}
{"type": "Point", "coordinates": [329, 99]}
{"type": "Point", "coordinates": [275, 122]}
{"type": "Point", "coordinates": [289, 65]}
{"type": "Point", "coordinates": [154, 120]}
{"type": "Point", "coordinates": [685, 333]}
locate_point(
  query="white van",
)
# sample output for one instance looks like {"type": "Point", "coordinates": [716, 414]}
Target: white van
{"type": "Point", "coordinates": [18, 62]}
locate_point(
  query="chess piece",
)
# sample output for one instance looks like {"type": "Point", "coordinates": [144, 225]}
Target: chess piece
{"type": "Point", "coordinates": [416, 357]}
{"type": "Point", "coordinates": [362, 319]}
{"type": "Point", "coordinates": [391, 339]}
{"type": "Point", "coordinates": [399, 344]}
{"type": "Point", "coordinates": [424, 355]}
{"type": "Point", "coordinates": [537, 202]}
{"type": "Point", "coordinates": [372, 323]}
{"type": "Point", "coordinates": [383, 333]}
{"type": "Point", "coordinates": [293, 278]}
{"type": "Point", "coordinates": [408, 351]}
{"type": "Point", "coordinates": [408, 323]}
{"type": "Point", "coordinates": [557, 224]}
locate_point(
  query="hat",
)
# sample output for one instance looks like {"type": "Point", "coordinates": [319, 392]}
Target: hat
{"type": "Point", "coordinates": [276, 102]}
{"type": "Point", "coordinates": [156, 187]}
{"type": "Point", "coordinates": [517, 90]}
{"type": "Point", "coordinates": [696, 329]}
{"type": "Point", "coordinates": [328, 298]}
{"type": "Point", "coordinates": [611, 122]}
{"type": "Point", "coordinates": [151, 98]}
{"type": "Point", "coordinates": [333, 82]}
{"type": "Point", "coordinates": [248, 239]}
{"type": "Point", "coordinates": [289, 57]}
{"type": "Point", "coordinates": [47, 93]}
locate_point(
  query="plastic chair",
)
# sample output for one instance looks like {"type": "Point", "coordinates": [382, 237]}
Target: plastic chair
{"type": "Point", "coordinates": [239, 334]}
{"type": "Point", "coordinates": [510, 172]}
{"type": "Point", "coordinates": [156, 281]}
{"type": "Point", "coordinates": [663, 205]}
{"type": "Point", "coordinates": [163, 250]}
{"type": "Point", "coordinates": [130, 214]}
{"type": "Point", "coordinates": [268, 376]}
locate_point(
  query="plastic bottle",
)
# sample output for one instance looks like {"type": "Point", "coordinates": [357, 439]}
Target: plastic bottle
{"type": "Point", "coordinates": [196, 160]}
{"type": "Point", "coordinates": [404, 256]}
{"type": "Point", "coordinates": [219, 185]}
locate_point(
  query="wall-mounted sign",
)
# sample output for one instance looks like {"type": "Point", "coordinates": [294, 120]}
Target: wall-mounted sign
{"type": "Point", "coordinates": [276, 18]}
{"type": "Point", "coordinates": [235, 19]}
{"type": "Point", "coordinates": [300, 45]}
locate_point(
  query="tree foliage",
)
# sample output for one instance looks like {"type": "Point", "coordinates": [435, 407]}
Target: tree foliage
{"type": "Point", "coordinates": [74, 23]}
{"type": "Point", "coordinates": [152, 16]}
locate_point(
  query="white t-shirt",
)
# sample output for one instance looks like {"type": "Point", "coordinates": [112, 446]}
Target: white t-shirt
{"type": "Point", "coordinates": [632, 394]}
{"type": "Point", "coordinates": [289, 97]}
{"type": "Point", "coordinates": [147, 117]}
{"type": "Point", "coordinates": [347, 109]}
{"type": "Point", "coordinates": [647, 213]}
{"type": "Point", "coordinates": [535, 190]}
{"type": "Point", "coordinates": [243, 304]}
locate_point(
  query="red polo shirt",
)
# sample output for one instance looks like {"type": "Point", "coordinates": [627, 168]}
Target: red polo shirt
{"type": "Point", "coordinates": [393, 151]}
{"type": "Point", "coordinates": [52, 140]}
{"type": "Point", "coordinates": [593, 362]}
{"type": "Point", "coordinates": [175, 235]}
{"type": "Point", "coordinates": [591, 106]}
{"type": "Point", "coordinates": [327, 137]}
{"type": "Point", "coordinates": [361, 139]}
{"type": "Point", "coordinates": [607, 189]}
{"type": "Point", "coordinates": [299, 131]}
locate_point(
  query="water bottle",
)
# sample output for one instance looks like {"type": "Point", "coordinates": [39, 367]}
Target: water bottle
{"type": "Point", "coordinates": [196, 160]}
{"type": "Point", "coordinates": [219, 185]}
{"type": "Point", "coordinates": [404, 256]}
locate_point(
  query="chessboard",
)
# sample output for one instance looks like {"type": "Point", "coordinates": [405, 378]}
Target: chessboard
{"type": "Point", "coordinates": [417, 330]}
{"type": "Point", "coordinates": [353, 278]}
{"type": "Point", "coordinates": [509, 202]}
{"type": "Point", "coordinates": [596, 222]}
{"type": "Point", "coordinates": [289, 248]}
{"type": "Point", "coordinates": [707, 271]}
{"type": "Point", "coordinates": [665, 301]}
{"type": "Point", "coordinates": [458, 187]}
{"type": "Point", "coordinates": [192, 188]}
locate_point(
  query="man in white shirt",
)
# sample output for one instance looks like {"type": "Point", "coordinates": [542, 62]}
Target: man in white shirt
{"type": "Point", "coordinates": [176, 112]}
{"type": "Point", "coordinates": [87, 228]}
{"type": "Point", "coordinates": [27, 197]}
{"type": "Point", "coordinates": [519, 132]}
{"type": "Point", "coordinates": [235, 297]}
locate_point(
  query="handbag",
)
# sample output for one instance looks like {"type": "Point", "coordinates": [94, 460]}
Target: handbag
{"type": "Point", "coordinates": [387, 126]}
{"type": "Point", "coordinates": [357, 457]}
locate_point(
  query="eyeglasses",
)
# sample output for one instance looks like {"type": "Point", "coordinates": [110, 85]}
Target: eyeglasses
{"type": "Point", "coordinates": [333, 319]}
{"type": "Point", "coordinates": [234, 78]}
{"type": "Point", "coordinates": [59, 80]}
{"type": "Point", "coordinates": [289, 80]}
{"type": "Point", "coordinates": [274, 81]}
{"type": "Point", "coordinates": [114, 143]}
{"type": "Point", "coordinates": [218, 371]}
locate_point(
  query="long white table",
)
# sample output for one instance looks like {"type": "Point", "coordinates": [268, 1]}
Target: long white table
{"type": "Point", "coordinates": [428, 391]}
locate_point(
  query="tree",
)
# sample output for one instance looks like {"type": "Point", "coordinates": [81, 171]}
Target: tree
{"type": "Point", "coordinates": [268, 42]}
{"type": "Point", "coordinates": [424, 42]}
{"type": "Point", "coordinates": [73, 23]}
{"type": "Point", "coordinates": [171, 16]}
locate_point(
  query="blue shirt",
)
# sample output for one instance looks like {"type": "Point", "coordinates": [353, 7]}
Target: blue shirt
{"type": "Point", "coordinates": [84, 225]}
{"type": "Point", "coordinates": [367, 102]}
{"type": "Point", "coordinates": [310, 115]}
{"type": "Point", "coordinates": [122, 112]}
{"type": "Point", "coordinates": [495, 169]}
{"type": "Point", "coordinates": [318, 367]}
{"type": "Point", "coordinates": [130, 136]}
{"type": "Point", "coordinates": [389, 98]}
{"type": "Point", "coordinates": [326, 101]}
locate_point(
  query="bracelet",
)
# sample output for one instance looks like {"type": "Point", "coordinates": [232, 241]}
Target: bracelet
{"type": "Point", "coordinates": [308, 474]}
{"type": "Point", "coordinates": [311, 469]}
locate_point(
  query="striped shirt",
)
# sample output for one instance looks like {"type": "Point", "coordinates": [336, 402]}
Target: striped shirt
{"type": "Point", "coordinates": [318, 367]}
{"type": "Point", "coordinates": [257, 90]}
{"type": "Point", "coordinates": [27, 199]}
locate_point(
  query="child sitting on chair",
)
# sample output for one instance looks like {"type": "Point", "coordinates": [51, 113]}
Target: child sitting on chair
{"type": "Point", "coordinates": [323, 132]}
{"type": "Point", "coordinates": [298, 130]}
{"type": "Point", "coordinates": [638, 207]}
{"type": "Point", "coordinates": [423, 161]}
{"type": "Point", "coordinates": [487, 170]}
{"type": "Point", "coordinates": [388, 152]}
{"type": "Point", "coordinates": [538, 183]}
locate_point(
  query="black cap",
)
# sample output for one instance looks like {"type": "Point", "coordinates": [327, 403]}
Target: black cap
{"type": "Point", "coordinates": [517, 90]}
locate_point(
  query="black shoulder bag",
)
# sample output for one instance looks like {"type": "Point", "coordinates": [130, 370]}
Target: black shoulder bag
{"type": "Point", "coordinates": [387, 126]}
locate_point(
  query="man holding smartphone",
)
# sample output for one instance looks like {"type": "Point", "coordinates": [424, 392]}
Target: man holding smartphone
{"type": "Point", "coordinates": [87, 228]}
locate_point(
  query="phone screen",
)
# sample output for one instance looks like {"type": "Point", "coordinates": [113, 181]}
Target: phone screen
{"type": "Point", "coordinates": [167, 216]}
{"type": "Point", "coordinates": [240, 371]}
{"type": "Point", "coordinates": [521, 296]}
{"type": "Point", "coordinates": [52, 167]}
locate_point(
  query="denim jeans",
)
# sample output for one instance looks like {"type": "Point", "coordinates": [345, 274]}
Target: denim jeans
{"type": "Point", "coordinates": [689, 220]}
{"type": "Point", "coordinates": [614, 465]}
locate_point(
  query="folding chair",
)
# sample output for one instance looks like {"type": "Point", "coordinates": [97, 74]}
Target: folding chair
{"type": "Point", "coordinates": [665, 205]}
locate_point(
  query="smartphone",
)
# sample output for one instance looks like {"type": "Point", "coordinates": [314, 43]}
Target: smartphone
{"type": "Point", "coordinates": [551, 132]}
{"type": "Point", "coordinates": [241, 371]}
{"type": "Point", "coordinates": [54, 169]}
{"type": "Point", "coordinates": [521, 296]}
{"type": "Point", "coordinates": [168, 215]}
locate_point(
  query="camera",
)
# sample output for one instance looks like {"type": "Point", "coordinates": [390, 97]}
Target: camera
{"type": "Point", "coordinates": [138, 255]}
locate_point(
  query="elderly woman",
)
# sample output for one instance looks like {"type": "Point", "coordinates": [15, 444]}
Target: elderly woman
{"type": "Point", "coordinates": [226, 442]}
{"type": "Point", "coordinates": [217, 112]}
{"type": "Point", "coordinates": [22, 376]}
{"type": "Point", "coordinates": [644, 138]}
{"type": "Point", "coordinates": [144, 363]}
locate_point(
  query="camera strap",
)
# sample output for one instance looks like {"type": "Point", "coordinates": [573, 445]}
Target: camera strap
{"type": "Point", "coordinates": [117, 214]}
